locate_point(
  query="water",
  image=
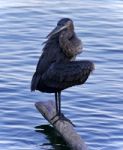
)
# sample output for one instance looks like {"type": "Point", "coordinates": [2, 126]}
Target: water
{"type": "Point", "coordinates": [96, 108]}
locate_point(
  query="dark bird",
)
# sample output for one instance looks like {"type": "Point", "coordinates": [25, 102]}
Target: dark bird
{"type": "Point", "coordinates": [57, 69]}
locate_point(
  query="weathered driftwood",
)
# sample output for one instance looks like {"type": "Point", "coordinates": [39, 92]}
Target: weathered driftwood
{"type": "Point", "coordinates": [66, 130]}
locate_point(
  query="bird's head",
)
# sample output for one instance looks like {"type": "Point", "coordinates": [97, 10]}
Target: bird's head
{"type": "Point", "coordinates": [63, 24]}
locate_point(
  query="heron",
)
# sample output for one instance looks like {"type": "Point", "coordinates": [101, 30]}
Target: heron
{"type": "Point", "coordinates": [57, 68]}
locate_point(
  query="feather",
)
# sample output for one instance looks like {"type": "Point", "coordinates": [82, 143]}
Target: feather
{"type": "Point", "coordinates": [67, 74]}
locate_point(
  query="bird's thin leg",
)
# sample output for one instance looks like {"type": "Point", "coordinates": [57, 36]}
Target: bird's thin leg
{"type": "Point", "coordinates": [58, 109]}
{"type": "Point", "coordinates": [59, 105]}
{"type": "Point", "coordinates": [56, 101]}
{"type": "Point", "coordinates": [61, 115]}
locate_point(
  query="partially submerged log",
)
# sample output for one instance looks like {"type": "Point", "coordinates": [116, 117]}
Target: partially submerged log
{"type": "Point", "coordinates": [65, 129]}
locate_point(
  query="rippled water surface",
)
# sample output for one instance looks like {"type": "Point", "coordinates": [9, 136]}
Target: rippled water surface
{"type": "Point", "coordinates": [96, 108]}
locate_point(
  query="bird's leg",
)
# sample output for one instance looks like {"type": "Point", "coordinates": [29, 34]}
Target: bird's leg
{"type": "Point", "coordinates": [57, 106]}
{"type": "Point", "coordinates": [58, 110]}
{"type": "Point", "coordinates": [56, 101]}
{"type": "Point", "coordinates": [61, 115]}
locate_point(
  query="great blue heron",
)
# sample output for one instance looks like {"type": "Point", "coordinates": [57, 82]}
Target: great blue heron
{"type": "Point", "coordinates": [57, 68]}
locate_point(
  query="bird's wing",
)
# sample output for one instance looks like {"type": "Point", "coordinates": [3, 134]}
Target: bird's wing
{"type": "Point", "coordinates": [68, 74]}
{"type": "Point", "coordinates": [45, 60]}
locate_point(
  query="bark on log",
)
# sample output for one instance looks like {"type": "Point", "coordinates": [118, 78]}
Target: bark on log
{"type": "Point", "coordinates": [65, 129]}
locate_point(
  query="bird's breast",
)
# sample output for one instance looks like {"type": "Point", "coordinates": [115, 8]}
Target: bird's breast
{"type": "Point", "coordinates": [78, 44]}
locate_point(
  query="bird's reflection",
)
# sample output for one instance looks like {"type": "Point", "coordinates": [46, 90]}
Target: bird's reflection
{"type": "Point", "coordinates": [56, 141]}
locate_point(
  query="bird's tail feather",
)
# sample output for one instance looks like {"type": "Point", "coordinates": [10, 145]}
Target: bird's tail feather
{"type": "Point", "coordinates": [35, 80]}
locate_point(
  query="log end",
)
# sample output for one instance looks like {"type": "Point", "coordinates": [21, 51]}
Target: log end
{"type": "Point", "coordinates": [64, 128]}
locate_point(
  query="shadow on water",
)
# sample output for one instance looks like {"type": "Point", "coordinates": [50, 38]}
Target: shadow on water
{"type": "Point", "coordinates": [56, 141]}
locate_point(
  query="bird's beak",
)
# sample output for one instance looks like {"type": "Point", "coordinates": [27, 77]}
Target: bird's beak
{"type": "Point", "coordinates": [56, 30]}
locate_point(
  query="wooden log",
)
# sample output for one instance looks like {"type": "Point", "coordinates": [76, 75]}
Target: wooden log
{"type": "Point", "coordinates": [64, 128]}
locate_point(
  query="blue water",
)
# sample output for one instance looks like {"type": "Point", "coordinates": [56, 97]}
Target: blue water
{"type": "Point", "coordinates": [96, 108]}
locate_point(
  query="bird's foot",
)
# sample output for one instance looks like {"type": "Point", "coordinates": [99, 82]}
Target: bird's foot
{"type": "Point", "coordinates": [62, 118]}
{"type": "Point", "coordinates": [56, 115]}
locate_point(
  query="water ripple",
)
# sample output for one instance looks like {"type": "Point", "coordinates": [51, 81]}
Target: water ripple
{"type": "Point", "coordinates": [96, 107]}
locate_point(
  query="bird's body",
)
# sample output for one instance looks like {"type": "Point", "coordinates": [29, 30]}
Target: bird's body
{"type": "Point", "coordinates": [57, 68]}
{"type": "Point", "coordinates": [52, 55]}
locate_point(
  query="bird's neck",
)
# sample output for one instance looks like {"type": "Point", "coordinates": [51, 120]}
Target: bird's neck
{"type": "Point", "coordinates": [68, 34]}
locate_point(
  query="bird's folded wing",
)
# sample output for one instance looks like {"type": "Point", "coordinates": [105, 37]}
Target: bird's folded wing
{"type": "Point", "coordinates": [72, 72]}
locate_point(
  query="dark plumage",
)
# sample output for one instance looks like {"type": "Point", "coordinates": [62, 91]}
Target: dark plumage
{"type": "Point", "coordinates": [57, 68]}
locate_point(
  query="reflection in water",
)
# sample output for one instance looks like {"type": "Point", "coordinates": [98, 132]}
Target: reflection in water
{"type": "Point", "coordinates": [56, 141]}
